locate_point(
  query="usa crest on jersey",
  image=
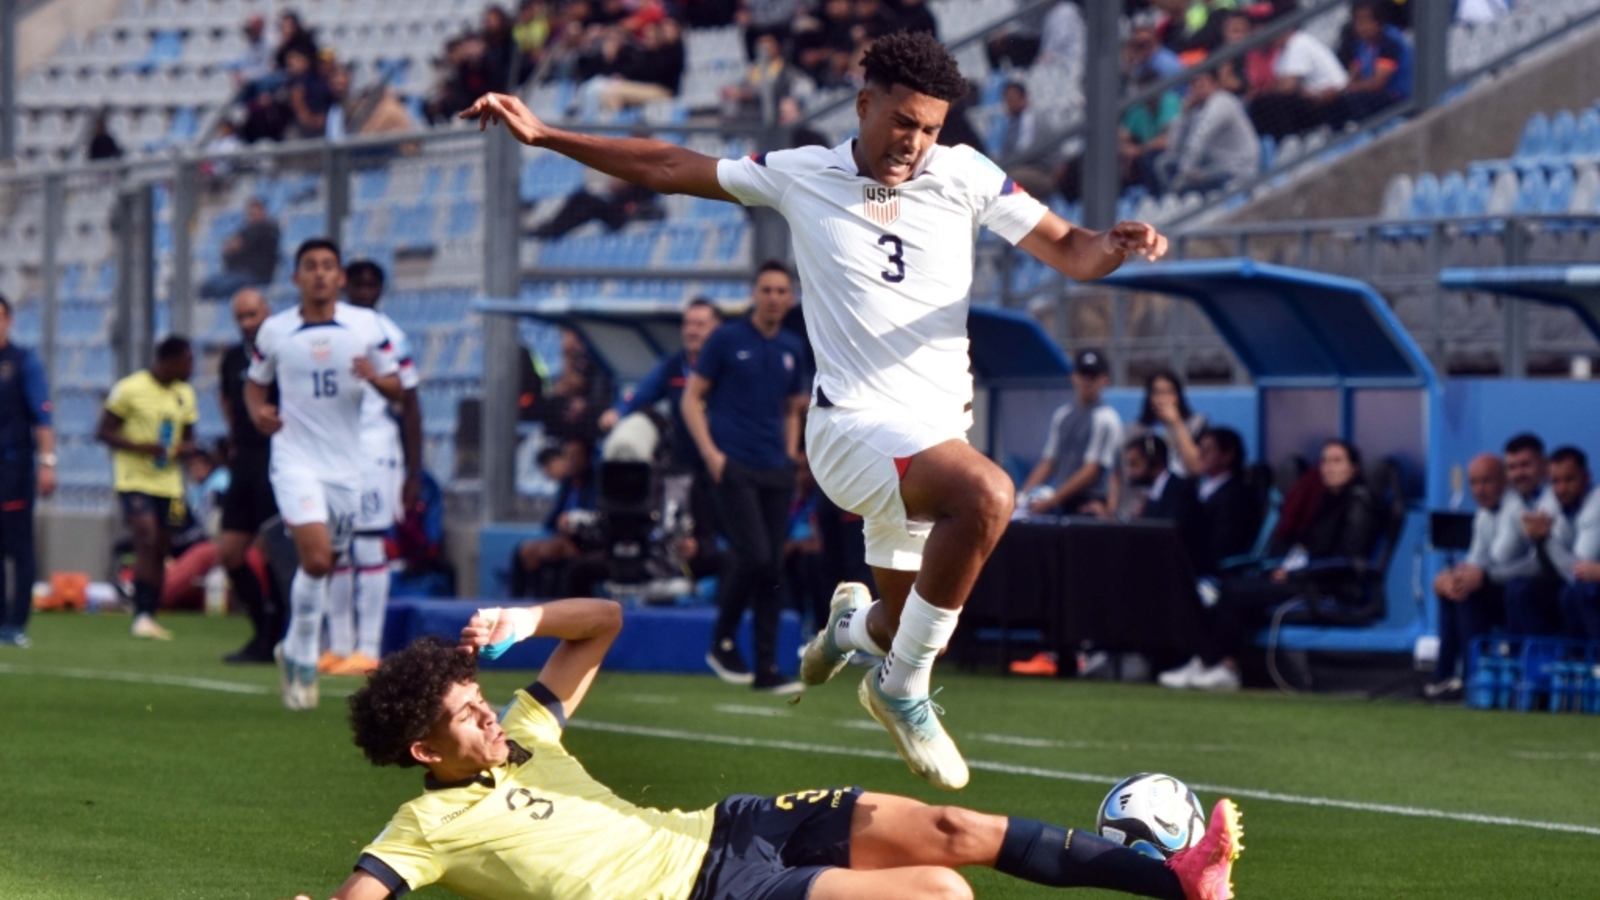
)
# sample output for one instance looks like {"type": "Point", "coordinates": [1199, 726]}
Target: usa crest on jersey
{"type": "Point", "coordinates": [882, 203]}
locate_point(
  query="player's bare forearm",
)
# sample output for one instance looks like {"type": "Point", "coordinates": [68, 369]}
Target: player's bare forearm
{"type": "Point", "coordinates": [793, 425]}
{"type": "Point", "coordinates": [1084, 255]}
{"type": "Point", "coordinates": [693, 407]}
{"type": "Point", "coordinates": [586, 628]}
{"type": "Point", "coordinates": [660, 166]}
{"type": "Point", "coordinates": [411, 432]}
{"type": "Point", "coordinates": [1041, 471]}
{"type": "Point", "coordinates": [255, 397]}
{"type": "Point", "coordinates": [359, 886]}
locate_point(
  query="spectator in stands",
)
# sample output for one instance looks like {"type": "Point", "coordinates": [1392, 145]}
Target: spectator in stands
{"type": "Point", "coordinates": [744, 405]}
{"type": "Point", "coordinates": [375, 110]}
{"type": "Point", "coordinates": [27, 471]}
{"type": "Point", "coordinates": [610, 200]}
{"type": "Point", "coordinates": [539, 567]}
{"type": "Point", "coordinates": [1019, 127]}
{"type": "Point", "coordinates": [820, 42]}
{"type": "Point", "coordinates": [463, 76]}
{"type": "Point", "coordinates": [1572, 542]}
{"type": "Point", "coordinates": [1166, 413]}
{"type": "Point", "coordinates": [1310, 79]}
{"type": "Point", "coordinates": [254, 67]}
{"type": "Point", "coordinates": [915, 16]}
{"type": "Point", "coordinates": [500, 56]}
{"type": "Point", "coordinates": [768, 71]}
{"type": "Point", "coordinates": [1145, 127]}
{"type": "Point", "coordinates": [1470, 601]}
{"type": "Point", "coordinates": [293, 37]}
{"type": "Point", "coordinates": [1063, 38]}
{"type": "Point", "coordinates": [1159, 492]}
{"type": "Point", "coordinates": [958, 129]}
{"type": "Point", "coordinates": [1378, 60]}
{"type": "Point", "coordinates": [1192, 28]}
{"type": "Point", "coordinates": [637, 70]}
{"type": "Point", "coordinates": [194, 549]}
{"type": "Point", "coordinates": [309, 96]}
{"type": "Point", "coordinates": [532, 33]}
{"type": "Point", "coordinates": [249, 256]}
{"type": "Point", "coordinates": [1532, 587]}
{"type": "Point", "coordinates": [102, 145]}
{"type": "Point", "coordinates": [1081, 447]}
{"type": "Point", "coordinates": [1253, 74]}
{"type": "Point", "coordinates": [766, 18]}
{"type": "Point", "coordinates": [1146, 56]}
{"type": "Point", "coordinates": [148, 422]}
{"type": "Point", "coordinates": [1212, 144]}
{"type": "Point", "coordinates": [1230, 517]}
{"type": "Point", "coordinates": [1325, 558]}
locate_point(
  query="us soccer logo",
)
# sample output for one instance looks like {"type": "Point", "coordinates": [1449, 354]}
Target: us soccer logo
{"type": "Point", "coordinates": [321, 349]}
{"type": "Point", "coordinates": [882, 203]}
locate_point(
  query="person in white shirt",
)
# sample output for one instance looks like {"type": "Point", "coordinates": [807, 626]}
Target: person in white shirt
{"type": "Point", "coordinates": [1571, 542]}
{"type": "Point", "coordinates": [1470, 601]}
{"type": "Point", "coordinates": [884, 229]}
{"type": "Point", "coordinates": [358, 597]}
{"type": "Point", "coordinates": [1310, 78]}
{"type": "Point", "coordinates": [1532, 587]}
{"type": "Point", "coordinates": [321, 354]}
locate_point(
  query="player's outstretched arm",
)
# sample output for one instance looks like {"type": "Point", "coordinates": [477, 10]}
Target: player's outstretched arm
{"type": "Point", "coordinates": [360, 886]}
{"type": "Point", "coordinates": [585, 627]}
{"type": "Point", "coordinates": [1084, 255]}
{"type": "Point", "coordinates": [662, 167]}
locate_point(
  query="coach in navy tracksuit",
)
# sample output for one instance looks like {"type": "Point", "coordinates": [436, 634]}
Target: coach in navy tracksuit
{"type": "Point", "coordinates": [743, 406]}
{"type": "Point", "coordinates": [27, 446]}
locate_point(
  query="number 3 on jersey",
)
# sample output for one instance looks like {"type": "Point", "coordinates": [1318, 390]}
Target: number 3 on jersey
{"type": "Point", "coordinates": [324, 384]}
{"type": "Point", "coordinates": [897, 257]}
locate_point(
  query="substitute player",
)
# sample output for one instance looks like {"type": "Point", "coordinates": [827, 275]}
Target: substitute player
{"type": "Point", "coordinates": [391, 479]}
{"type": "Point", "coordinates": [509, 814]}
{"type": "Point", "coordinates": [319, 354]}
{"type": "Point", "coordinates": [884, 228]}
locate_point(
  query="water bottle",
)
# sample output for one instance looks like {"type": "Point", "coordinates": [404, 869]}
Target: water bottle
{"type": "Point", "coordinates": [1559, 687]}
{"type": "Point", "coordinates": [1591, 700]}
{"type": "Point", "coordinates": [216, 592]}
{"type": "Point", "coordinates": [165, 440]}
{"type": "Point", "coordinates": [1481, 687]}
{"type": "Point", "coordinates": [1506, 671]}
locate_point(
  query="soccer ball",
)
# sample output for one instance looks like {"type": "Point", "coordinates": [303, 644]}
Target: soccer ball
{"type": "Point", "coordinates": [1156, 815]}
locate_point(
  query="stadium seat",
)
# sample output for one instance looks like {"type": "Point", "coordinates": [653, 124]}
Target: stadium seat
{"type": "Point", "coordinates": [1535, 140]}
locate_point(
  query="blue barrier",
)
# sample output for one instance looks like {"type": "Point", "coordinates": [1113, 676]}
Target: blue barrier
{"type": "Point", "coordinates": [672, 639]}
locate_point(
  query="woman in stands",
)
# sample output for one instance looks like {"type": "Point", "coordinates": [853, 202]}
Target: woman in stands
{"type": "Point", "coordinates": [1324, 554]}
{"type": "Point", "coordinates": [1167, 415]}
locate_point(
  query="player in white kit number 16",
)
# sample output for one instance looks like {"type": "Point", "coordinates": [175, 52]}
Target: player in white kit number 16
{"type": "Point", "coordinates": [884, 227]}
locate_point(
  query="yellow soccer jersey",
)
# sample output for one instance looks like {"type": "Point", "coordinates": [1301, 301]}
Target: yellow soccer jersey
{"type": "Point", "coordinates": [541, 829]}
{"type": "Point", "coordinates": [151, 414]}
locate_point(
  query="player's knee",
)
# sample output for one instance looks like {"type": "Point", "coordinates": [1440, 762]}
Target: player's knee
{"type": "Point", "coordinates": [231, 555]}
{"type": "Point", "coordinates": [966, 834]}
{"type": "Point", "coordinates": [317, 562]}
{"type": "Point", "coordinates": [991, 498]}
{"type": "Point", "coordinates": [943, 884]}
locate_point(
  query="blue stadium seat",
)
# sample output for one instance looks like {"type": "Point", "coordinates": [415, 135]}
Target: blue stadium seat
{"type": "Point", "coordinates": [302, 227]}
{"type": "Point", "coordinates": [685, 245]}
{"type": "Point", "coordinates": [1563, 128]}
{"type": "Point", "coordinates": [1476, 201]}
{"type": "Point", "coordinates": [165, 47]}
{"type": "Point", "coordinates": [185, 125]}
{"type": "Point", "coordinates": [1535, 139]}
{"type": "Point", "coordinates": [1452, 195]}
{"type": "Point", "coordinates": [1558, 198]}
{"type": "Point", "coordinates": [1531, 193]}
{"type": "Point", "coordinates": [465, 215]}
{"type": "Point", "coordinates": [1425, 197]}
{"type": "Point", "coordinates": [371, 185]}
{"type": "Point", "coordinates": [1586, 140]}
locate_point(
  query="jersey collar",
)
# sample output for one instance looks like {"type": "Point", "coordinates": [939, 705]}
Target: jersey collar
{"type": "Point", "coordinates": [846, 162]}
{"type": "Point", "coordinates": [433, 784]}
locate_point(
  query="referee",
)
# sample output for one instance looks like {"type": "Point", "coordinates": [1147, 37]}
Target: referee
{"type": "Point", "coordinates": [249, 503]}
{"type": "Point", "coordinates": [743, 406]}
{"type": "Point", "coordinates": [26, 440]}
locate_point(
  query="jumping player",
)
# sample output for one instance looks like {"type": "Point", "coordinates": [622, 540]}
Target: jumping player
{"type": "Point", "coordinates": [318, 354]}
{"type": "Point", "coordinates": [884, 227]}
{"type": "Point", "coordinates": [509, 814]}
{"type": "Point", "coordinates": [391, 476]}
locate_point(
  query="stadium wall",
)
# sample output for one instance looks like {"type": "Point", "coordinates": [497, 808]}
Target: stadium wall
{"type": "Point", "coordinates": [1481, 123]}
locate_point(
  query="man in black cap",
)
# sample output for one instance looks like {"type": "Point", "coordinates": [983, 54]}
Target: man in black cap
{"type": "Point", "coordinates": [1080, 449]}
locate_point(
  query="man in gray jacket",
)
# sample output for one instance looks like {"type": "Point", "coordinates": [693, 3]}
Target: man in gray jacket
{"type": "Point", "coordinates": [1470, 597]}
{"type": "Point", "coordinates": [1532, 587]}
{"type": "Point", "coordinates": [1571, 543]}
{"type": "Point", "coordinates": [1212, 143]}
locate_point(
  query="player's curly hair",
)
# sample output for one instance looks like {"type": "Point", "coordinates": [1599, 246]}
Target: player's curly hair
{"type": "Point", "coordinates": [403, 698]}
{"type": "Point", "coordinates": [918, 61]}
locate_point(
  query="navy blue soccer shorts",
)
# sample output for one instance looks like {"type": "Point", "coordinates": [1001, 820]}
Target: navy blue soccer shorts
{"type": "Point", "coordinates": [773, 848]}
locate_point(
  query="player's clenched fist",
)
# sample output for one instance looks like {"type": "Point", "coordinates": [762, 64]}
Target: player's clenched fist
{"type": "Point", "coordinates": [266, 419]}
{"type": "Point", "coordinates": [1137, 239]}
{"type": "Point", "coordinates": [493, 109]}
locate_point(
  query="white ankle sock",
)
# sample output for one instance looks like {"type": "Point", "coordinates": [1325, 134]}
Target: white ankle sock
{"type": "Point", "coordinates": [925, 629]}
{"type": "Point", "coordinates": [372, 594]}
{"type": "Point", "coordinates": [341, 612]}
{"type": "Point", "coordinates": [308, 597]}
{"type": "Point", "coordinates": [852, 632]}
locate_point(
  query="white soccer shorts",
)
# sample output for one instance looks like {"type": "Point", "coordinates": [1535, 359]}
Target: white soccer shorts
{"type": "Point", "coordinates": [857, 458]}
{"type": "Point", "coordinates": [305, 499]}
{"type": "Point", "coordinates": [382, 481]}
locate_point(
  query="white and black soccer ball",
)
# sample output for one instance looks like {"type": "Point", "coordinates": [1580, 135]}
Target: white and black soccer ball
{"type": "Point", "coordinates": [1156, 815]}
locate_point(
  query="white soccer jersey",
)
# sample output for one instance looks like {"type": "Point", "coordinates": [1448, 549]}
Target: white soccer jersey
{"type": "Point", "coordinates": [886, 270]}
{"type": "Point", "coordinates": [379, 431]}
{"type": "Point", "coordinates": [319, 398]}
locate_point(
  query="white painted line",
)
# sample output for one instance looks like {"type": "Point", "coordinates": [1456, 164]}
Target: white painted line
{"type": "Point", "coordinates": [1087, 778]}
{"type": "Point", "coordinates": [1012, 740]}
{"type": "Point", "coordinates": [734, 709]}
{"type": "Point", "coordinates": [654, 699]}
{"type": "Point", "coordinates": [859, 724]}
{"type": "Point", "coordinates": [205, 684]}
{"type": "Point", "coordinates": [1553, 756]}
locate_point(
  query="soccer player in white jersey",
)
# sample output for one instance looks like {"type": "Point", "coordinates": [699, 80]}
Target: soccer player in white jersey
{"type": "Point", "coordinates": [884, 227]}
{"type": "Point", "coordinates": [319, 353]}
{"type": "Point", "coordinates": [392, 476]}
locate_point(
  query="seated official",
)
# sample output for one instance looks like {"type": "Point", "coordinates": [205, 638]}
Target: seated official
{"type": "Point", "coordinates": [1167, 496]}
{"type": "Point", "coordinates": [1572, 543]}
{"type": "Point", "coordinates": [1532, 586]}
{"type": "Point", "coordinates": [1229, 515]}
{"type": "Point", "coordinates": [541, 567]}
{"type": "Point", "coordinates": [1471, 600]}
{"type": "Point", "coordinates": [1326, 556]}
{"type": "Point", "coordinates": [1073, 474]}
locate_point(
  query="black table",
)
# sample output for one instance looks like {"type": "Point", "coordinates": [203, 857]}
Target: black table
{"type": "Point", "coordinates": [1118, 586]}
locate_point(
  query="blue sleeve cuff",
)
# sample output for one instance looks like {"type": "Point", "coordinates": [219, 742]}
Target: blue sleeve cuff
{"type": "Point", "coordinates": [548, 700]}
{"type": "Point", "coordinates": [380, 870]}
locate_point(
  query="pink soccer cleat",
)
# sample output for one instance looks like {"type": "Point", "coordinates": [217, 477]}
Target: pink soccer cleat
{"type": "Point", "coordinates": [1204, 869]}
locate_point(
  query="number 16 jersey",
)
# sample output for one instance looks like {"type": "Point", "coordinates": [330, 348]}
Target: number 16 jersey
{"type": "Point", "coordinates": [886, 270]}
{"type": "Point", "coordinates": [319, 396]}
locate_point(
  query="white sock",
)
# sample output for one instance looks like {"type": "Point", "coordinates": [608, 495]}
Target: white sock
{"type": "Point", "coordinates": [925, 629]}
{"type": "Point", "coordinates": [372, 593]}
{"type": "Point", "coordinates": [341, 612]}
{"type": "Point", "coordinates": [852, 632]}
{"type": "Point", "coordinates": [308, 597]}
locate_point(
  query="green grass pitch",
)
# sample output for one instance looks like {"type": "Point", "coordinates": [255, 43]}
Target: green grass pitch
{"type": "Point", "coordinates": [138, 770]}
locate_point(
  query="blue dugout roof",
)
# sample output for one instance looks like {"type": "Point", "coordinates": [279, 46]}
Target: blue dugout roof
{"type": "Point", "coordinates": [1290, 327]}
{"type": "Point", "coordinates": [629, 336]}
{"type": "Point", "coordinates": [1575, 287]}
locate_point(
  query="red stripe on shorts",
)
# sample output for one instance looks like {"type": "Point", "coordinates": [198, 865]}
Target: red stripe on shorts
{"type": "Point", "coordinates": [902, 464]}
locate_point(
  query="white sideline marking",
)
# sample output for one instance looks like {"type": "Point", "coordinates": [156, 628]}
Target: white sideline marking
{"type": "Point", "coordinates": [1012, 740]}
{"type": "Point", "coordinates": [1061, 775]}
{"type": "Point", "coordinates": [734, 709]}
{"type": "Point", "coordinates": [658, 699]}
{"type": "Point", "coordinates": [1550, 756]}
{"type": "Point", "coordinates": [236, 687]}
{"type": "Point", "coordinates": [204, 684]}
